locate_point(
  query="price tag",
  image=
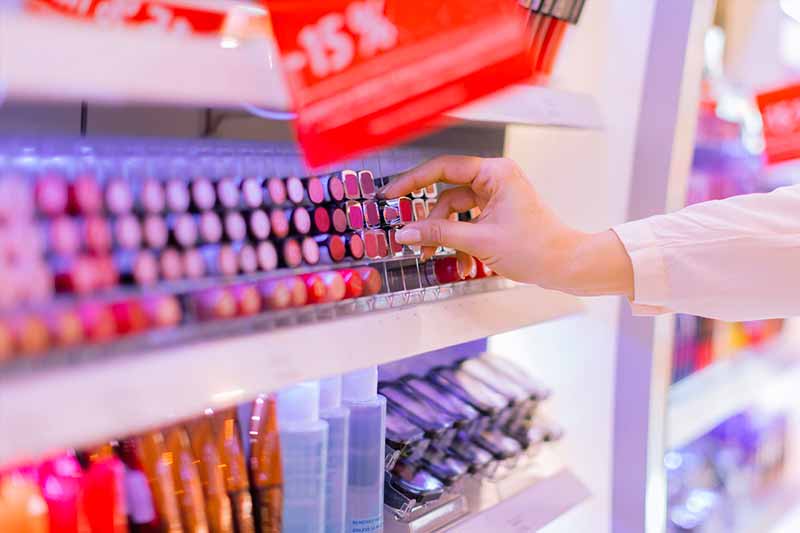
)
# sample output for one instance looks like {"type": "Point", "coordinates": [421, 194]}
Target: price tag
{"type": "Point", "coordinates": [163, 16]}
{"type": "Point", "coordinates": [366, 73]}
{"type": "Point", "coordinates": [780, 111]}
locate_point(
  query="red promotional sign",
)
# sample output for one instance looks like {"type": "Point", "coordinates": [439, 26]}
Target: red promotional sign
{"type": "Point", "coordinates": [780, 111]}
{"type": "Point", "coordinates": [365, 73]}
{"type": "Point", "coordinates": [162, 15]}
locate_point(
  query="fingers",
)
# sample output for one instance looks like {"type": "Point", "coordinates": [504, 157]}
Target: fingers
{"type": "Point", "coordinates": [454, 200]}
{"type": "Point", "coordinates": [461, 236]}
{"type": "Point", "coordinates": [458, 170]}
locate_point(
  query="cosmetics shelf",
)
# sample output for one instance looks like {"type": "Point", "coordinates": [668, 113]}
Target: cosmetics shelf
{"type": "Point", "coordinates": [701, 401]}
{"type": "Point", "coordinates": [504, 503]}
{"type": "Point", "coordinates": [205, 71]}
{"type": "Point", "coordinates": [157, 378]}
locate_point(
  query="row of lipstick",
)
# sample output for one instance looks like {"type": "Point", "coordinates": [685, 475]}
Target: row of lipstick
{"type": "Point", "coordinates": [63, 326]}
{"type": "Point", "coordinates": [192, 477]}
{"type": "Point", "coordinates": [53, 194]}
{"type": "Point", "coordinates": [80, 250]}
{"type": "Point", "coordinates": [547, 24]}
{"type": "Point", "coordinates": [94, 321]}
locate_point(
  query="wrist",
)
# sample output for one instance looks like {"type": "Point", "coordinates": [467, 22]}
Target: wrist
{"type": "Point", "coordinates": [595, 264]}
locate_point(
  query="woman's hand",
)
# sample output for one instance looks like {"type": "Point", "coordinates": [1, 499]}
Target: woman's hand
{"type": "Point", "coordinates": [516, 234]}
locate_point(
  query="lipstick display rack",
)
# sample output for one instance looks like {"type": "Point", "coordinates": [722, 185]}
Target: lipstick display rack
{"type": "Point", "coordinates": [402, 286]}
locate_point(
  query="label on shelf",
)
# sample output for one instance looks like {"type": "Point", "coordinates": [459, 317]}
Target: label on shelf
{"type": "Point", "coordinates": [176, 17]}
{"type": "Point", "coordinates": [367, 73]}
{"type": "Point", "coordinates": [780, 110]}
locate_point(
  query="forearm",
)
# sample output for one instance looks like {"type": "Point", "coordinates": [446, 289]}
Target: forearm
{"type": "Point", "coordinates": [594, 264]}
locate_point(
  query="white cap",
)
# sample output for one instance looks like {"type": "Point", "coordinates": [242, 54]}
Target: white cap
{"type": "Point", "coordinates": [360, 385]}
{"type": "Point", "coordinates": [330, 393]}
{"type": "Point", "coordinates": [299, 403]}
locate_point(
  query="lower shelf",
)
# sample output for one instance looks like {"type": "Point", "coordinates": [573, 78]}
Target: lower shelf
{"type": "Point", "coordinates": [110, 397]}
{"type": "Point", "coordinates": [527, 499]}
{"type": "Point", "coordinates": [701, 401]}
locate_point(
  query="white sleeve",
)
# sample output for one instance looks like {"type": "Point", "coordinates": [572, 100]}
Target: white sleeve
{"type": "Point", "coordinates": [734, 259]}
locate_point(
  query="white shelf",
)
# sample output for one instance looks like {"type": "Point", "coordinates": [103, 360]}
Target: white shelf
{"type": "Point", "coordinates": [103, 399]}
{"type": "Point", "coordinates": [528, 496]}
{"type": "Point", "coordinates": [133, 66]}
{"type": "Point", "coordinates": [529, 499]}
{"type": "Point", "coordinates": [703, 400]}
{"type": "Point", "coordinates": [534, 106]}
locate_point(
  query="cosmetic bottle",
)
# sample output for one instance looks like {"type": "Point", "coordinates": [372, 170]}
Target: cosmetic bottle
{"type": "Point", "coordinates": [188, 487]}
{"type": "Point", "coordinates": [337, 416]}
{"type": "Point", "coordinates": [266, 473]}
{"type": "Point", "coordinates": [207, 458]}
{"type": "Point", "coordinates": [156, 465]}
{"type": "Point", "coordinates": [234, 470]}
{"type": "Point", "coordinates": [103, 491]}
{"type": "Point", "coordinates": [22, 507]}
{"type": "Point", "coordinates": [60, 480]}
{"type": "Point", "coordinates": [304, 449]}
{"type": "Point", "coordinates": [140, 502]}
{"type": "Point", "coordinates": [366, 454]}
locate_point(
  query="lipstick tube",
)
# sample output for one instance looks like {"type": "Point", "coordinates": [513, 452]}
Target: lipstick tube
{"type": "Point", "coordinates": [299, 221]}
{"type": "Point", "coordinates": [267, 256]}
{"type": "Point", "coordinates": [310, 251]}
{"type": "Point", "coordinates": [320, 220]}
{"type": "Point", "coordinates": [295, 190]}
{"type": "Point", "coordinates": [354, 245]}
{"type": "Point", "coordinates": [279, 223]}
{"type": "Point", "coordinates": [85, 196]}
{"type": "Point", "coordinates": [366, 182]}
{"type": "Point", "coordinates": [332, 248]}
{"type": "Point", "coordinates": [182, 230]}
{"type": "Point", "coordinates": [235, 226]}
{"type": "Point", "coordinates": [228, 196]}
{"type": "Point", "coordinates": [203, 195]}
{"type": "Point", "coordinates": [372, 214]}
{"type": "Point", "coordinates": [118, 196]}
{"type": "Point", "coordinates": [277, 192]}
{"type": "Point", "coordinates": [333, 188]}
{"type": "Point", "coordinates": [177, 196]}
{"type": "Point", "coordinates": [252, 194]}
{"type": "Point", "coordinates": [315, 190]}
{"type": "Point", "coordinates": [338, 219]}
{"type": "Point", "coordinates": [352, 189]}
{"type": "Point", "coordinates": [209, 227]}
{"type": "Point", "coordinates": [258, 225]}
{"type": "Point", "coordinates": [220, 260]}
{"type": "Point", "coordinates": [291, 255]}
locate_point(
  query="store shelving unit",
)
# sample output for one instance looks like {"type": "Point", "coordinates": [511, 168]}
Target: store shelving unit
{"type": "Point", "coordinates": [207, 71]}
{"type": "Point", "coordinates": [107, 397]}
{"type": "Point", "coordinates": [707, 398]}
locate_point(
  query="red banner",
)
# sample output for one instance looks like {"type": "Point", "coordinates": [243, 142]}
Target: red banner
{"type": "Point", "coordinates": [367, 73]}
{"type": "Point", "coordinates": [780, 111]}
{"type": "Point", "coordinates": [164, 16]}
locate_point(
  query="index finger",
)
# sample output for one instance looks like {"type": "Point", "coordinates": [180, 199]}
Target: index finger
{"type": "Point", "coordinates": [454, 169]}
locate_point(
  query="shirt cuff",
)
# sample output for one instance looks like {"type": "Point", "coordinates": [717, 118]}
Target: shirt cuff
{"type": "Point", "coordinates": [650, 282]}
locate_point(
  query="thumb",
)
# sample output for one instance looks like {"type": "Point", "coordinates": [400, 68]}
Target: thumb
{"type": "Point", "coordinates": [462, 236]}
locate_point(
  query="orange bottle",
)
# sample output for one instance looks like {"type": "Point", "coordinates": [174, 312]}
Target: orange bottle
{"type": "Point", "coordinates": [265, 465]}
{"type": "Point", "coordinates": [209, 465]}
{"type": "Point", "coordinates": [157, 465]}
{"type": "Point", "coordinates": [22, 507]}
{"type": "Point", "coordinates": [234, 468]}
{"type": "Point", "coordinates": [188, 487]}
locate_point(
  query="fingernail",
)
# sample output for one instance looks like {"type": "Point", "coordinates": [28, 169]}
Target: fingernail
{"type": "Point", "coordinates": [408, 236]}
{"type": "Point", "coordinates": [382, 191]}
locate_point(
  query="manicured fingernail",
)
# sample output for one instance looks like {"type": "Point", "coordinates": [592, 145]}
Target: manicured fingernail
{"type": "Point", "coordinates": [408, 236]}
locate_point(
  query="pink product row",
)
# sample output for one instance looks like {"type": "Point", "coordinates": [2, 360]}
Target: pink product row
{"type": "Point", "coordinates": [52, 193]}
